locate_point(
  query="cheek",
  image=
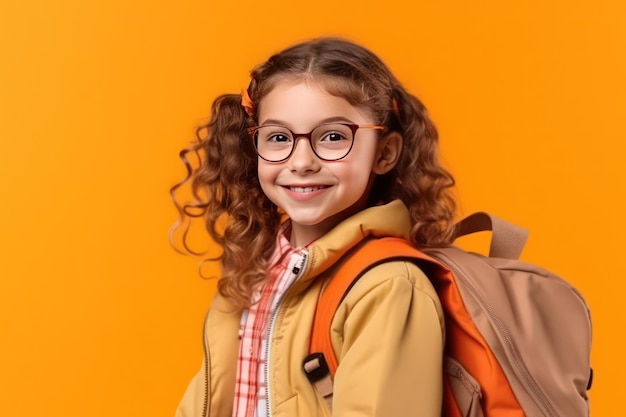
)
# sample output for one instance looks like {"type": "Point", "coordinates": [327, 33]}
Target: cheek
{"type": "Point", "coordinates": [359, 169]}
{"type": "Point", "coordinates": [355, 178]}
{"type": "Point", "coordinates": [266, 175]}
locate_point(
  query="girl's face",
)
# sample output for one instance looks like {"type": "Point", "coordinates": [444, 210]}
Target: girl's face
{"type": "Point", "coordinates": [316, 194]}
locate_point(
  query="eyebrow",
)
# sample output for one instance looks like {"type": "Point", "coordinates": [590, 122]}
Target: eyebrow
{"type": "Point", "coordinates": [326, 120]}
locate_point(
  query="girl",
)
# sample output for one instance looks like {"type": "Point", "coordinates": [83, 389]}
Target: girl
{"type": "Point", "coordinates": [323, 150]}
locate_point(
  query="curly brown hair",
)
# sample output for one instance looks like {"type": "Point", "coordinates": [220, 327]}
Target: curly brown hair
{"type": "Point", "coordinates": [225, 186]}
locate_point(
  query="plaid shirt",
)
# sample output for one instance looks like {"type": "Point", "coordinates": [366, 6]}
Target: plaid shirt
{"type": "Point", "coordinates": [250, 389]}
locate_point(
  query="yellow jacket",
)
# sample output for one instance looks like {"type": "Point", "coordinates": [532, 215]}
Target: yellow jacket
{"type": "Point", "coordinates": [388, 335]}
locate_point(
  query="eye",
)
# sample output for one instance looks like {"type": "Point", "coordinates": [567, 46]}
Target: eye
{"type": "Point", "coordinates": [278, 138]}
{"type": "Point", "coordinates": [332, 137]}
{"type": "Point", "coordinates": [274, 135]}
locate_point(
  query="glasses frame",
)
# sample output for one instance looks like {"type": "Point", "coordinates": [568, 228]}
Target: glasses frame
{"type": "Point", "coordinates": [252, 131]}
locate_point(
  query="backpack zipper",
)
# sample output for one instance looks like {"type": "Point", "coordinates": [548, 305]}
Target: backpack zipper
{"type": "Point", "coordinates": [511, 349]}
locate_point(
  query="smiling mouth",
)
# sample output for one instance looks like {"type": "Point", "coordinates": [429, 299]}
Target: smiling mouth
{"type": "Point", "coordinates": [307, 189]}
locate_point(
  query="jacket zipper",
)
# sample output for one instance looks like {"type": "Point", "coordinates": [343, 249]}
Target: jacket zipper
{"type": "Point", "coordinates": [207, 356]}
{"type": "Point", "coordinates": [517, 362]}
{"type": "Point", "coordinates": [270, 331]}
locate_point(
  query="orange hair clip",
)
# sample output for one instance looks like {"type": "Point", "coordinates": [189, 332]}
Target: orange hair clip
{"type": "Point", "coordinates": [395, 108]}
{"type": "Point", "coordinates": [246, 102]}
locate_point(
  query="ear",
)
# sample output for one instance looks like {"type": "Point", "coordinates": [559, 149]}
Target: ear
{"type": "Point", "coordinates": [389, 150]}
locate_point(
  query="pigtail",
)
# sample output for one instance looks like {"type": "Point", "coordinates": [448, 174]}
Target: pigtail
{"type": "Point", "coordinates": [225, 192]}
{"type": "Point", "coordinates": [419, 179]}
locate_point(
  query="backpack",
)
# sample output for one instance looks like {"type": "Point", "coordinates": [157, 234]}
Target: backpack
{"type": "Point", "coordinates": [518, 338]}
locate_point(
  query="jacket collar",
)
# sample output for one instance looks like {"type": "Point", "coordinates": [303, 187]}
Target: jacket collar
{"type": "Point", "coordinates": [390, 219]}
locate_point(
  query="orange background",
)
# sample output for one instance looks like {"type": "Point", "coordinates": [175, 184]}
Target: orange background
{"type": "Point", "coordinates": [99, 317]}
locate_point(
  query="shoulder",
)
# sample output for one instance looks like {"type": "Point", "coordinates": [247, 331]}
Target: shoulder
{"type": "Point", "coordinates": [393, 278]}
{"type": "Point", "coordinates": [391, 301]}
{"type": "Point", "coordinates": [394, 288]}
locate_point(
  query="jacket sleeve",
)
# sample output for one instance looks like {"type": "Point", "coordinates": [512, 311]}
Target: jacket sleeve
{"type": "Point", "coordinates": [220, 361]}
{"type": "Point", "coordinates": [192, 402]}
{"type": "Point", "coordinates": [388, 334]}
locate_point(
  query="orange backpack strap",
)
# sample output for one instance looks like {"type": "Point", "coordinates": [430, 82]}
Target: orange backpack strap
{"type": "Point", "coordinates": [322, 363]}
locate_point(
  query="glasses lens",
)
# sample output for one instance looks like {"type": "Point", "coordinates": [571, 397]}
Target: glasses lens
{"type": "Point", "coordinates": [273, 143]}
{"type": "Point", "coordinates": [332, 141]}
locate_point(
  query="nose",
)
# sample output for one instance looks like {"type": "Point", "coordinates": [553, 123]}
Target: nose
{"type": "Point", "coordinates": [303, 159]}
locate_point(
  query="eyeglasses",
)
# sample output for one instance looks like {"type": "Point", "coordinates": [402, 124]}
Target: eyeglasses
{"type": "Point", "coordinates": [329, 141]}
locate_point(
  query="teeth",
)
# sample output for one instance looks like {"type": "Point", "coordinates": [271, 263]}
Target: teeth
{"type": "Point", "coordinates": [305, 189]}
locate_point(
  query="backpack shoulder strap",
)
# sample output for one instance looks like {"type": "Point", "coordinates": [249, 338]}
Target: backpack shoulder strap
{"type": "Point", "coordinates": [372, 253]}
{"type": "Point", "coordinates": [321, 364]}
